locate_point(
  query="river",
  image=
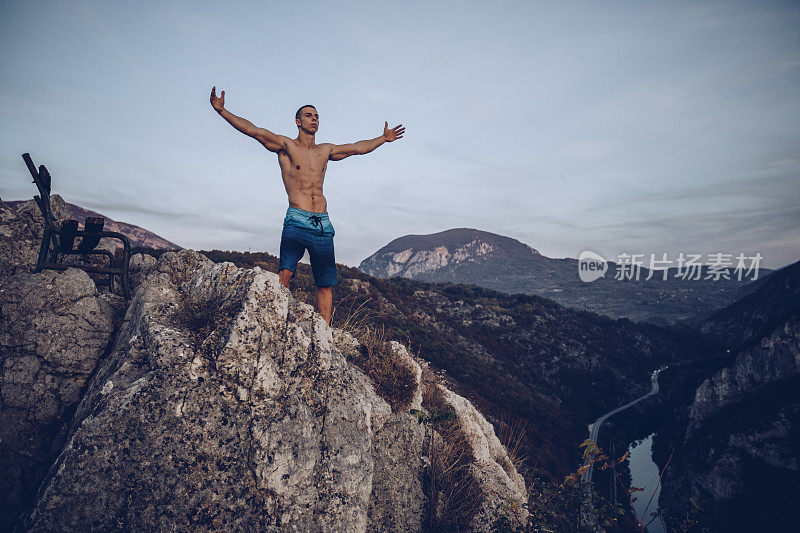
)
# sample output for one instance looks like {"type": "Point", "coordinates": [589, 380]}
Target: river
{"type": "Point", "coordinates": [644, 473]}
{"type": "Point", "coordinates": [594, 427]}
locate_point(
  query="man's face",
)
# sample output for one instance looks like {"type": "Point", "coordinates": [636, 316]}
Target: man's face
{"type": "Point", "coordinates": [309, 120]}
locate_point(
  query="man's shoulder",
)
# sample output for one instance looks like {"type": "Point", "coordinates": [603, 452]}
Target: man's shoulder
{"type": "Point", "coordinates": [325, 148]}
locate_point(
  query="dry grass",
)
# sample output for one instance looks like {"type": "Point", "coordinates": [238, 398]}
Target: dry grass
{"type": "Point", "coordinates": [394, 381]}
{"type": "Point", "coordinates": [454, 494]}
{"type": "Point", "coordinates": [512, 433]}
{"type": "Point", "coordinates": [207, 318]}
{"type": "Point", "coordinates": [353, 317]}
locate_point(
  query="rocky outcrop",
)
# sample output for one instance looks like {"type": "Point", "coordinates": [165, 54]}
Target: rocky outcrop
{"type": "Point", "coordinates": [219, 402]}
{"type": "Point", "coordinates": [21, 229]}
{"type": "Point", "coordinates": [775, 358]}
{"type": "Point", "coordinates": [54, 328]}
{"type": "Point", "coordinates": [738, 456]}
{"type": "Point", "coordinates": [410, 262]}
{"type": "Point", "coordinates": [225, 404]}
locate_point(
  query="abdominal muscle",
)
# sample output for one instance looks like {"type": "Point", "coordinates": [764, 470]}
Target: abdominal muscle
{"type": "Point", "coordinates": [306, 196]}
{"type": "Point", "coordinates": [303, 172]}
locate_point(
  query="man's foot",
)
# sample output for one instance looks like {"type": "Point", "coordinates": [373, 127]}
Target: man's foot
{"type": "Point", "coordinates": [285, 276]}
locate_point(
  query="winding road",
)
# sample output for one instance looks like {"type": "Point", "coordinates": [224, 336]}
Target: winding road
{"type": "Point", "coordinates": [594, 428]}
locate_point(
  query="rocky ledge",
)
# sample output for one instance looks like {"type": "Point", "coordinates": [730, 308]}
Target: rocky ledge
{"type": "Point", "coordinates": [220, 403]}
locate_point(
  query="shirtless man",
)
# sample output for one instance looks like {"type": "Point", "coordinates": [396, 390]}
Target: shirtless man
{"type": "Point", "coordinates": [303, 163]}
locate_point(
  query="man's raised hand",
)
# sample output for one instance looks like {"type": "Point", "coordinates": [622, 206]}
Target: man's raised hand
{"type": "Point", "coordinates": [393, 134]}
{"type": "Point", "coordinates": [217, 103]}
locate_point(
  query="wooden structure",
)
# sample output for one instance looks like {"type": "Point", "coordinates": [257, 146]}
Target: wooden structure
{"type": "Point", "coordinates": [58, 241]}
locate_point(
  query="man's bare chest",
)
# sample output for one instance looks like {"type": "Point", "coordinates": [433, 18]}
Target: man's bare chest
{"type": "Point", "coordinates": [305, 161]}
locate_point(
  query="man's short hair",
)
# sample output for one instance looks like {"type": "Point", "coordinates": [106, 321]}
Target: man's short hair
{"type": "Point", "coordinates": [297, 115]}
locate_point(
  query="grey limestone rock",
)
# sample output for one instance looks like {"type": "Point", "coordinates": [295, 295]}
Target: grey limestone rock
{"type": "Point", "coordinates": [54, 328]}
{"type": "Point", "coordinates": [21, 233]}
{"type": "Point", "coordinates": [500, 482]}
{"type": "Point", "coordinates": [226, 405]}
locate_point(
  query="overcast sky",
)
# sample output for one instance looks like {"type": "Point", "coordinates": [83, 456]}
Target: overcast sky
{"type": "Point", "coordinates": [617, 127]}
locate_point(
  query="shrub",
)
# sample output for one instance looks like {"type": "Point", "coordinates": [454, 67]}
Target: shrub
{"type": "Point", "coordinates": [574, 506]}
{"type": "Point", "coordinates": [394, 381]}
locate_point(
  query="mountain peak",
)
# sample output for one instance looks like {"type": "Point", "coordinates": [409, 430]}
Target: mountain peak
{"type": "Point", "coordinates": [412, 255]}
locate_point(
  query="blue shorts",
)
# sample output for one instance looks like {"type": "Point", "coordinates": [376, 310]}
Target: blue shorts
{"type": "Point", "coordinates": [313, 231]}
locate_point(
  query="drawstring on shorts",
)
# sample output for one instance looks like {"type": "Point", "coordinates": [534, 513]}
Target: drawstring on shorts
{"type": "Point", "coordinates": [317, 221]}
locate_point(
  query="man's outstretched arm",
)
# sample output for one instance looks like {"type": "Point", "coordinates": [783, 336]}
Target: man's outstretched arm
{"type": "Point", "coordinates": [271, 141]}
{"type": "Point", "coordinates": [340, 151]}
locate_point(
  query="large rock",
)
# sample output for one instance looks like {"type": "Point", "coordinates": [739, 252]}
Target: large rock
{"type": "Point", "coordinates": [54, 327]}
{"type": "Point", "coordinates": [500, 482]}
{"type": "Point", "coordinates": [21, 234]}
{"type": "Point", "coordinates": [226, 405]}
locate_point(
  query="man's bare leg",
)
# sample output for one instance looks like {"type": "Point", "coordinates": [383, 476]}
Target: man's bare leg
{"type": "Point", "coordinates": [324, 295]}
{"type": "Point", "coordinates": [324, 303]}
{"type": "Point", "coordinates": [285, 275]}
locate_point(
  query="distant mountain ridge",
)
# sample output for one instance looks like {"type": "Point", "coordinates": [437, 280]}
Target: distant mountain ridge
{"type": "Point", "coordinates": [475, 257]}
{"type": "Point", "coordinates": [413, 255]}
{"type": "Point", "coordinates": [138, 236]}
{"type": "Point", "coordinates": [752, 317]}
